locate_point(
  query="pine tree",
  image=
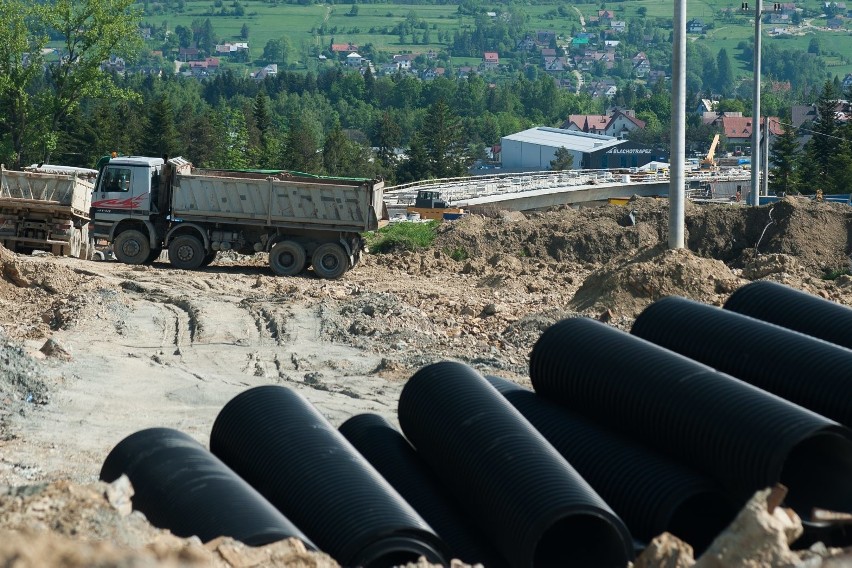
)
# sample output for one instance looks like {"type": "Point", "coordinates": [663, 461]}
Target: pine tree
{"type": "Point", "coordinates": [840, 169]}
{"type": "Point", "coordinates": [388, 137]}
{"type": "Point", "coordinates": [444, 144]}
{"type": "Point", "coordinates": [824, 143]}
{"type": "Point", "coordinates": [335, 152]}
{"type": "Point", "coordinates": [161, 136]}
{"type": "Point", "coordinates": [784, 157]}
{"type": "Point", "coordinates": [563, 159]}
{"type": "Point", "coordinates": [725, 71]}
{"type": "Point", "coordinates": [266, 151]}
{"type": "Point", "coordinates": [369, 85]}
{"type": "Point", "coordinates": [417, 165]}
{"type": "Point", "coordinates": [301, 144]}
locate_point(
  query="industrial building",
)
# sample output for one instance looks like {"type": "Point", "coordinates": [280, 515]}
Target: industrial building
{"type": "Point", "coordinates": [533, 150]}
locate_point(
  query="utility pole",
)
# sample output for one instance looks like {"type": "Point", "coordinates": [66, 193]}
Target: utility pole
{"type": "Point", "coordinates": [755, 113]}
{"type": "Point", "coordinates": [677, 158]}
{"type": "Point", "coordinates": [767, 134]}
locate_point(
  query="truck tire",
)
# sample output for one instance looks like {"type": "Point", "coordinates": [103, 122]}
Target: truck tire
{"type": "Point", "coordinates": [186, 252]}
{"type": "Point", "coordinates": [211, 256]}
{"type": "Point", "coordinates": [131, 247]}
{"type": "Point", "coordinates": [287, 258]}
{"type": "Point", "coordinates": [154, 255]}
{"type": "Point", "coordinates": [330, 261]}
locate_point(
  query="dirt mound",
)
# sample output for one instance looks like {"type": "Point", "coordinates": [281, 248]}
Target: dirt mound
{"type": "Point", "coordinates": [817, 234]}
{"type": "Point", "coordinates": [21, 384]}
{"type": "Point", "coordinates": [77, 526]}
{"type": "Point", "coordinates": [38, 294]}
{"type": "Point", "coordinates": [626, 287]}
{"type": "Point", "coordinates": [563, 234]}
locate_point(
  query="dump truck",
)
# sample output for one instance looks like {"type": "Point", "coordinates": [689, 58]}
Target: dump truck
{"type": "Point", "coordinates": [145, 205]}
{"type": "Point", "coordinates": [47, 208]}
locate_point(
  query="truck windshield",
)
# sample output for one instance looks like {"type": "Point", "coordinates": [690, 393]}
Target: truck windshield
{"type": "Point", "coordinates": [115, 179]}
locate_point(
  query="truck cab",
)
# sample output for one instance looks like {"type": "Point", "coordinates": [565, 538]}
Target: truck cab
{"type": "Point", "coordinates": [127, 188]}
{"type": "Point", "coordinates": [428, 199]}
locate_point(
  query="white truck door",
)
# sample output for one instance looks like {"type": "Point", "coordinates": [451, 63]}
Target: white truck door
{"type": "Point", "coordinates": [114, 197]}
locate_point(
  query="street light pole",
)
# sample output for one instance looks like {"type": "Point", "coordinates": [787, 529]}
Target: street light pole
{"type": "Point", "coordinates": [677, 158]}
{"type": "Point", "coordinates": [755, 114]}
{"type": "Point", "coordinates": [767, 133]}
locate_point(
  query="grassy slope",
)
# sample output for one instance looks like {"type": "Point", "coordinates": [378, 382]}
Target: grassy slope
{"type": "Point", "coordinates": [267, 22]}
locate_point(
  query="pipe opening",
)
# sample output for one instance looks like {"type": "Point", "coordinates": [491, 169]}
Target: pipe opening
{"type": "Point", "coordinates": [700, 519]}
{"type": "Point", "coordinates": [581, 540]}
{"type": "Point", "coordinates": [396, 551]}
{"type": "Point", "coordinates": [817, 473]}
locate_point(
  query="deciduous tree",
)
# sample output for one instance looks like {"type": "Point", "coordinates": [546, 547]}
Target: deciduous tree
{"type": "Point", "coordinates": [36, 94]}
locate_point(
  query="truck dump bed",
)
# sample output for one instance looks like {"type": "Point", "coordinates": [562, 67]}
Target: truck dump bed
{"type": "Point", "coordinates": [35, 190]}
{"type": "Point", "coordinates": [278, 199]}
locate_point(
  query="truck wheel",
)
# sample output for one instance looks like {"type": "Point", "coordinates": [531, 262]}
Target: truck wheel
{"type": "Point", "coordinates": [131, 247]}
{"type": "Point", "coordinates": [211, 256]}
{"type": "Point", "coordinates": [186, 252]}
{"type": "Point", "coordinates": [154, 255]}
{"type": "Point", "coordinates": [287, 258]}
{"type": "Point", "coordinates": [330, 261]}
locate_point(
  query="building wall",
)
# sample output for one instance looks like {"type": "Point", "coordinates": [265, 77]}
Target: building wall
{"type": "Point", "coordinates": [528, 157]}
{"type": "Point", "coordinates": [626, 155]}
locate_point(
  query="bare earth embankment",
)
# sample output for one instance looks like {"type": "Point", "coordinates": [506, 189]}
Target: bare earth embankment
{"type": "Point", "coordinates": [137, 347]}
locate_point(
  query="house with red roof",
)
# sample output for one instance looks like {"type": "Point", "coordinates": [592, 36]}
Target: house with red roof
{"type": "Point", "coordinates": [490, 60]}
{"type": "Point", "coordinates": [618, 124]}
{"type": "Point", "coordinates": [344, 48]}
{"type": "Point", "coordinates": [738, 129]}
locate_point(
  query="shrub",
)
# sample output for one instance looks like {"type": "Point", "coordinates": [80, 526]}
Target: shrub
{"type": "Point", "coordinates": [835, 273]}
{"type": "Point", "coordinates": [402, 236]}
{"type": "Point", "coordinates": [458, 254]}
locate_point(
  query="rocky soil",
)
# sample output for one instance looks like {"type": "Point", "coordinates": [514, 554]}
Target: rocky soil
{"type": "Point", "coordinates": [91, 352]}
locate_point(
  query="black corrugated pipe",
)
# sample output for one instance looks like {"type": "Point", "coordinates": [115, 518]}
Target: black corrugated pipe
{"type": "Point", "coordinates": [398, 462]}
{"type": "Point", "coordinates": [527, 499]}
{"type": "Point", "coordinates": [278, 442]}
{"type": "Point", "coordinates": [805, 370]}
{"type": "Point", "coordinates": [651, 492]}
{"type": "Point", "coordinates": [745, 437]}
{"type": "Point", "coordinates": [182, 487]}
{"type": "Point", "coordinates": [779, 304]}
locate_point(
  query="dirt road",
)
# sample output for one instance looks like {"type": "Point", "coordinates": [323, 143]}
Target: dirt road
{"type": "Point", "coordinates": [165, 347]}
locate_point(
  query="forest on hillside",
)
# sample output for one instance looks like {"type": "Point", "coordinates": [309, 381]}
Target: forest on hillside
{"type": "Point", "coordinates": [333, 121]}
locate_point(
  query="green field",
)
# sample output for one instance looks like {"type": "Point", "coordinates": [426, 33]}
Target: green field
{"type": "Point", "coordinates": [314, 27]}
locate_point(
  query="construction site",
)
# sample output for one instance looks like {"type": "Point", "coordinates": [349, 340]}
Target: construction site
{"type": "Point", "coordinates": [97, 352]}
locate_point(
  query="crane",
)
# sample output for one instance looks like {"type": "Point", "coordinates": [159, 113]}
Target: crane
{"type": "Point", "coordinates": [709, 161]}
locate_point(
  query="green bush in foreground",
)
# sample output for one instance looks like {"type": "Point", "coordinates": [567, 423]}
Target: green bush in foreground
{"type": "Point", "coordinates": [402, 236]}
{"type": "Point", "coordinates": [836, 273]}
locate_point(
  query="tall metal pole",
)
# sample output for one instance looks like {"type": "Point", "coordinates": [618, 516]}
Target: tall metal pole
{"type": "Point", "coordinates": [767, 133]}
{"type": "Point", "coordinates": [755, 113]}
{"type": "Point", "coordinates": [677, 158]}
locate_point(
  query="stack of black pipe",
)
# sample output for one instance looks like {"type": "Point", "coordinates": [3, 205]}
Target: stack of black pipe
{"type": "Point", "coordinates": [668, 428]}
{"type": "Point", "coordinates": [740, 435]}
{"type": "Point", "coordinates": [526, 498]}
{"type": "Point", "coordinates": [181, 486]}
{"type": "Point", "coordinates": [651, 492]}
{"type": "Point", "coordinates": [278, 442]}
{"type": "Point", "coordinates": [400, 464]}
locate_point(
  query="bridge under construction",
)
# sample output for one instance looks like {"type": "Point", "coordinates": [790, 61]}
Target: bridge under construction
{"type": "Point", "coordinates": [539, 190]}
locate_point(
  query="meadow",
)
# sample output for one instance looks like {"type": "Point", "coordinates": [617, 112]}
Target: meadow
{"type": "Point", "coordinates": [314, 27]}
